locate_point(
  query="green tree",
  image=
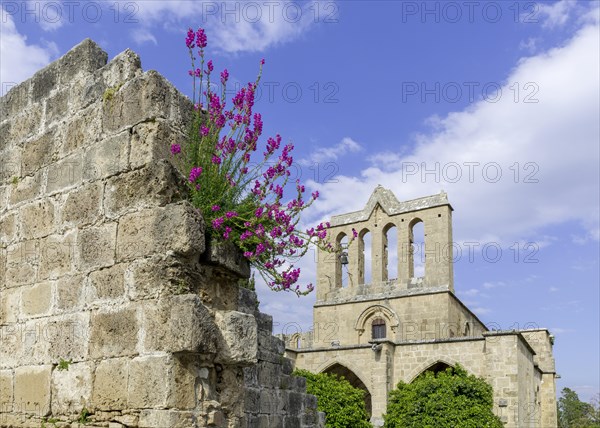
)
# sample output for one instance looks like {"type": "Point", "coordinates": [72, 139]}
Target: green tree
{"type": "Point", "coordinates": [574, 413]}
{"type": "Point", "coordinates": [343, 404]}
{"type": "Point", "coordinates": [448, 399]}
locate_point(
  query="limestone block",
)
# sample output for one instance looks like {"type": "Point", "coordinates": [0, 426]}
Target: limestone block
{"type": "Point", "coordinates": [144, 98]}
{"type": "Point", "coordinates": [57, 106]}
{"type": "Point", "coordinates": [6, 391]}
{"type": "Point", "coordinates": [68, 336]}
{"type": "Point", "coordinates": [81, 61]}
{"type": "Point", "coordinates": [20, 265]}
{"type": "Point", "coordinates": [151, 141]}
{"type": "Point", "coordinates": [38, 152]}
{"type": "Point", "coordinates": [167, 418]}
{"type": "Point", "coordinates": [83, 205]}
{"type": "Point", "coordinates": [37, 299]}
{"type": "Point", "coordinates": [32, 389]}
{"type": "Point", "coordinates": [183, 393]}
{"type": "Point", "coordinates": [10, 168]}
{"type": "Point", "coordinates": [226, 255]}
{"type": "Point", "coordinates": [109, 391]}
{"type": "Point", "coordinates": [26, 124]}
{"type": "Point", "coordinates": [157, 275]}
{"type": "Point", "coordinates": [71, 388]}
{"type": "Point", "coordinates": [148, 385]}
{"type": "Point", "coordinates": [15, 101]}
{"type": "Point", "coordinates": [4, 192]}
{"type": "Point", "coordinates": [107, 157]}
{"type": "Point", "coordinates": [175, 228]}
{"type": "Point", "coordinates": [96, 246]}
{"type": "Point", "coordinates": [11, 345]}
{"type": "Point", "coordinates": [107, 283]}
{"type": "Point", "coordinates": [65, 173]}
{"type": "Point", "coordinates": [8, 228]}
{"type": "Point", "coordinates": [178, 324]}
{"type": "Point", "coordinates": [43, 82]}
{"type": "Point", "coordinates": [26, 189]}
{"type": "Point", "coordinates": [56, 255]}
{"type": "Point", "coordinates": [156, 184]}
{"type": "Point", "coordinates": [69, 292]}
{"type": "Point", "coordinates": [124, 67]}
{"type": "Point", "coordinates": [10, 301]}
{"type": "Point", "coordinates": [83, 130]}
{"type": "Point", "coordinates": [239, 337]}
{"type": "Point", "coordinates": [114, 333]}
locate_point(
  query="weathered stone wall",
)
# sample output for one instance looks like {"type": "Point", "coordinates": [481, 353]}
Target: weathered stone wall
{"type": "Point", "coordinates": [114, 310]}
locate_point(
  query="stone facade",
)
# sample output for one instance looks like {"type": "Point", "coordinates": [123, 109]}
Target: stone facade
{"type": "Point", "coordinates": [115, 311]}
{"type": "Point", "coordinates": [394, 329]}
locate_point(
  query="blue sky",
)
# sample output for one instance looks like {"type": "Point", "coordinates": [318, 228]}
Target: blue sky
{"type": "Point", "coordinates": [381, 92]}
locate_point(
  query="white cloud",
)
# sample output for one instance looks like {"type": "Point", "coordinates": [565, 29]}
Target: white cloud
{"type": "Point", "coordinates": [479, 310]}
{"type": "Point", "coordinates": [49, 14]}
{"type": "Point", "coordinates": [324, 154]}
{"type": "Point", "coordinates": [143, 35]}
{"type": "Point", "coordinates": [530, 45]}
{"type": "Point", "coordinates": [234, 26]}
{"type": "Point", "coordinates": [19, 60]}
{"type": "Point", "coordinates": [489, 285]}
{"type": "Point", "coordinates": [555, 14]}
{"type": "Point", "coordinates": [547, 153]}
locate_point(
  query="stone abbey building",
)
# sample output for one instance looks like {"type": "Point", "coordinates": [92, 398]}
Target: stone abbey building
{"type": "Point", "coordinates": [379, 333]}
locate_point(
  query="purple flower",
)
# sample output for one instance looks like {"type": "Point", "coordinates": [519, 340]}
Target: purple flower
{"type": "Point", "coordinates": [195, 173]}
{"type": "Point", "coordinates": [217, 223]}
{"type": "Point", "coordinates": [175, 149]}
{"type": "Point", "coordinates": [204, 130]}
{"type": "Point", "coordinates": [315, 194]}
{"type": "Point", "coordinates": [354, 233]}
{"type": "Point", "coordinates": [227, 232]}
{"type": "Point", "coordinates": [201, 39]}
{"type": "Point", "coordinates": [224, 76]}
{"type": "Point", "coordinates": [216, 160]}
{"type": "Point", "coordinates": [189, 40]}
{"type": "Point", "coordinates": [215, 208]}
{"type": "Point", "coordinates": [248, 254]}
{"type": "Point", "coordinates": [231, 214]}
{"type": "Point", "coordinates": [209, 67]}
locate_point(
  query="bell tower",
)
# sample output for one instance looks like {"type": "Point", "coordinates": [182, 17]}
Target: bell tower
{"type": "Point", "coordinates": [345, 272]}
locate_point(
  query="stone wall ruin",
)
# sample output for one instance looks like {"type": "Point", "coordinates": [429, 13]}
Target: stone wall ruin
{"type": "Point", "coordinates": [115, 311]}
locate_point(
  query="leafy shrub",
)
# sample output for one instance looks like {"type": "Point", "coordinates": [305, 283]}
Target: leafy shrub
{"type": "Point", "coordinates": [343, 404]}
{"type": "Point", "coordinates": [448, 399]}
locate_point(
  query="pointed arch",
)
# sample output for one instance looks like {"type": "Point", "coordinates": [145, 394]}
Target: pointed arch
{"type": "Point", "coordinates": [343, 370]}
{"type": "Point", "coordinates": [433, 364]}
{"type": "Point", "coordinates": [390, 252]}
{"type": "Point", "coordinates": [341, 280]}
{"type": "Point", "coordinates": [416, 247]}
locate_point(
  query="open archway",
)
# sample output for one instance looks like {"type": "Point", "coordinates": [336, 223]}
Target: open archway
{"type": "Point", "coordinates": [343, 371]}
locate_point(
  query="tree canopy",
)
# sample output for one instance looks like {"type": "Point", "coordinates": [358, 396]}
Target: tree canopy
{"type": "Point", "coordinates": [574, 413]}
{"type": "Point", "coordinates": [343, 404]}
{"type": "Point", "coordinates": [447, 399]}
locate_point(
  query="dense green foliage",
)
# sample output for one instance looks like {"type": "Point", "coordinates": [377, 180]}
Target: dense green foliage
{"type": "Point", "coordinates": [447, 399]}
{"type": "Point", "coordinates": [574, 413]}
{"type": "Point", "coordinates": [344, 405]}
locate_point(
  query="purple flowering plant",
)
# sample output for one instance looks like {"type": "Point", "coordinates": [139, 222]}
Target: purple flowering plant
{"type": "Point", "coordinates": [243, 202]}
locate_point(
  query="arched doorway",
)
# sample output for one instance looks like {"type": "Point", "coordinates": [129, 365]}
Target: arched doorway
{"type": "Point", "coordinates": [342, 371]}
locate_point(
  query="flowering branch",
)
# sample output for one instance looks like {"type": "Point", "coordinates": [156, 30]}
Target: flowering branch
{"type": "Point", "coordinates": [247, 204]}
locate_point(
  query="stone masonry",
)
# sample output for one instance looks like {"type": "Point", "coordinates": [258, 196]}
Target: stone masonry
{"type": "Point", "coordinates": [115, 311]}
